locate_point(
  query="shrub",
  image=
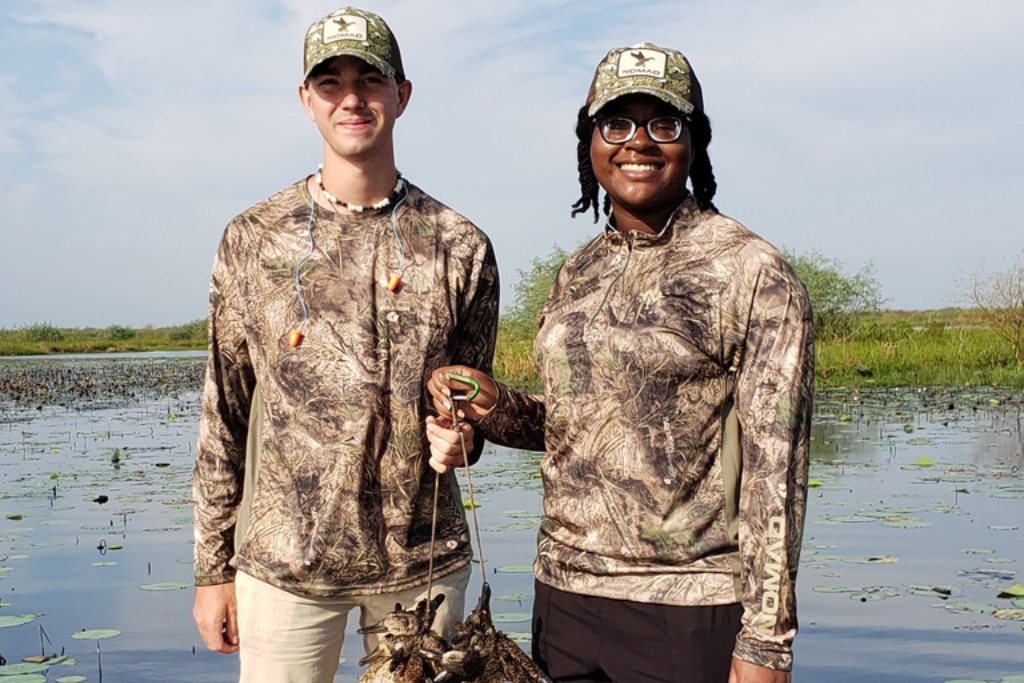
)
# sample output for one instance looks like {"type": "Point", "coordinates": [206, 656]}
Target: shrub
{"type": "Point", "coordinates": [837, 298]}
{"type": "Point", "coordinates": [531, 291]}
{"type": "Point", "coordinates": [43, 332]}
{"type": "Point", "coordinates": [119, 333]}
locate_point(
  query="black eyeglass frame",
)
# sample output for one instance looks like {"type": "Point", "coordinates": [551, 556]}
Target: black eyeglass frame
{"type": "Point", "coordinates": [600, 121]}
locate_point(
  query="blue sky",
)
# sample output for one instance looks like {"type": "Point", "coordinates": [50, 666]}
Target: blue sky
{"type": "Point", "coordinates": [883, 132]}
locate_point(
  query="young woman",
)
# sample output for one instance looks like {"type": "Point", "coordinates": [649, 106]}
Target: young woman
{"type": "Point", "coordinates": [676, 356]}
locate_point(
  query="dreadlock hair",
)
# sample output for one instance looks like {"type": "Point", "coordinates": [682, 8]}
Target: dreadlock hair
{"type": "Point", "coordinates": [702, 177]}
{"type": "Point", "coordinates": [588, 181]}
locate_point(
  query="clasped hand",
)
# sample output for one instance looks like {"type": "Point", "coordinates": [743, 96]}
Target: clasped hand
{"type": "Point", "coordinates": [450, 444]}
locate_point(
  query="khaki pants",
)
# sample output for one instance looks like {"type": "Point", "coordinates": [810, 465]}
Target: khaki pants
{"type": "Point", "coordinates": [286, 638]}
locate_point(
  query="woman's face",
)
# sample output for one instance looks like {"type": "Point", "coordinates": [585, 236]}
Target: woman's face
{"type": "Point", "coordinates": [644, 179]}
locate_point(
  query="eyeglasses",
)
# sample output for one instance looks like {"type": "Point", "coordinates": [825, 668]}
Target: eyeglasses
{"type": "Point", "coordinates": [618, 130]}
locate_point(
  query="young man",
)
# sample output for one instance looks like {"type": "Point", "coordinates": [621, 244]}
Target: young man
{"type": "Point", "coordinates": [330, 304]}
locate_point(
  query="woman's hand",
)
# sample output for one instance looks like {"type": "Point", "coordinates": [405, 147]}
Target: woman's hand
{"type": "Point", "coordinates": [444, 385]}
{"type": "Point", "coordinates": [448, 447]}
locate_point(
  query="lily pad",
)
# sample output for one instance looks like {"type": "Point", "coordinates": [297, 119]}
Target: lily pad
{"type": "Point", "coordinates": [825, 588]}
{"type": "Point", "coordinates": [165, 586]}
{"type": "Point", "coordinates": [19, 620]}
{"type": "Point", "coordinates": [24, 678]}
{"type": "Point", "coordinates": [1014, 591]}
{"type": "Point", "coordinates": [932, 591]}
{"type": "Point", "coordinates": [988, 573]}
{"type": "Point", "coordinates": [906, 523]}
{"type": "Point", "coordinates": [1011, 614]}
{"type": "Point", "coordinates": [95, 634]}
{"type": "Point", "coordinates": [75, 678]}
{"type": "Point", "coordinates": [23, 668]}
{"type": "Point", "coordinates": [515, 569]}
{"type": "Point", "coordinates": [848, 519]}
{"type": "Point", "coordinates": [510, 617]}
{"type": "Point", "coordinates": [513, 597]}
{"type": "Point", "coordinates": [874, 593]}
{"type": "Point", "coordinates": [970, 606]}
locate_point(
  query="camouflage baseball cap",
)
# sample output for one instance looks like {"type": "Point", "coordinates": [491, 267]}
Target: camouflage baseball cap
{"type": "Point", "coordinates": [648, 69]}
{"type": "Point", "coordinates": [357, 33]}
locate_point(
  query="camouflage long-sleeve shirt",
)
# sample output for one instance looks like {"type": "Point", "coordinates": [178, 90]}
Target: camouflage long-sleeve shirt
{"type": "Point", "coordinates": [343, 495]}
{"type": "Point", "coordinates": [678, 379]}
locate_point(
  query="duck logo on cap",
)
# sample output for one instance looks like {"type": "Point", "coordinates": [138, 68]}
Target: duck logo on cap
{"type": "Point", "coordinates": [642, 63]}
{"type": "Point", "coordinates": [345, 27]}
{"type": "Point", "coordinates": [640, 58]}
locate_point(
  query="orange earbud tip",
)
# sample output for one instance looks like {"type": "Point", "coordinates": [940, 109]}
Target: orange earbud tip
{"type": "Point", "coordinates": [394, 281]}
{"type": "Point", "coordinates": [295, 338]}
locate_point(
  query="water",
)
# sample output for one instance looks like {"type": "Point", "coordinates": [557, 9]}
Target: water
{"type": "Point", "coordinates": [914, 490]}
{"type": "Point", "coordinates": [936, 497]}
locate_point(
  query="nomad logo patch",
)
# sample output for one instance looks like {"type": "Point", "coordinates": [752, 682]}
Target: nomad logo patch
{"type": "Point", "coordinates": [637, 62]}
{"type": "Point", "coordinates": [345, 27]}
{"type": "Point", "coordinates": [776, 539]}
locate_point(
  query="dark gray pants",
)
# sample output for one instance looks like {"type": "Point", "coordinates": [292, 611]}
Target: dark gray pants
{"type": "Point", "coordinates": [582, 638]}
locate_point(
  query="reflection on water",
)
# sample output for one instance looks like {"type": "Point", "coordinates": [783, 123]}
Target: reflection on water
{"type": "Point", "coordinates": [913, 492]}
{"type": "Point", "coordinates": [918, 490]}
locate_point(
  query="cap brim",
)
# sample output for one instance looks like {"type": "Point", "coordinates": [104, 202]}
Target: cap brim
{"type": "Point", "coordinates": [683, 105]}
{"type": "Point", "coordinates": [371, 59]}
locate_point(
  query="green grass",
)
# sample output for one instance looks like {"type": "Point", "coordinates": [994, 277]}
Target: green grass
{"type": "Point", "coordinates": [43, 339]}
{"type": "Point", "coordinates": [920, 348]}
{"type": "Point", "coordinates": [948, 347]}
{"type": "Point", "coordinates": [892, 348]}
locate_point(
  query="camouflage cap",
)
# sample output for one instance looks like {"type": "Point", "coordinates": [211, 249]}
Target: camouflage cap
{"type": "Point", "coordinates": [648, 69]}
{"type": "Point", "coordinates": [357, 33]}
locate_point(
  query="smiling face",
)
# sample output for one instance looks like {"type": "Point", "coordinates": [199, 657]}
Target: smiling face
{"type": "Point", "coordinates": [645, 180]}
{"type": "Point", "coordinates": [355, 107]}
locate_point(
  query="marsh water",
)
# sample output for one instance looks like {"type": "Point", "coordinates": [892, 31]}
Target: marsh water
{"type": "Point", "coordinates": [914, 529]}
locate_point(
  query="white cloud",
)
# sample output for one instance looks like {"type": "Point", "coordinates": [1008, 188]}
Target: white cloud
{"type": "Point", "coordinates": [131, 132]}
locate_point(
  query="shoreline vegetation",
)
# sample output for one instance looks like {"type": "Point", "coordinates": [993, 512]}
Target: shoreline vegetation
{"type": "Point", "coordinates": [947, 347]}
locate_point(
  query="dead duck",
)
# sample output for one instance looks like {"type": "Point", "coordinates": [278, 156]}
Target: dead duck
{"type": "Point", "coordinates": [405, 634]}
{"type": "Point", "coordinates": [482, 654]}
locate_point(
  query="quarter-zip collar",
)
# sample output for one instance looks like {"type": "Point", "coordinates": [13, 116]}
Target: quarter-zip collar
{"type": "Point", "coordinates": [679, 219]}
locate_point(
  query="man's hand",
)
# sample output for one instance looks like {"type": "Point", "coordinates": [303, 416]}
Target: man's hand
{"type": "Point", "coordinates": [745, 672]}
{"type": "Point", "coordinates": [447, 444]}
{"type": "Point", "coordinates": [216, 615]}
{"type": "Point", "coordinates": [442, 387]}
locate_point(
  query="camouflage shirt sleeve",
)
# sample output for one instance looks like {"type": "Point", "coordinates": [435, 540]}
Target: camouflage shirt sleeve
{"type": "Point", "coordinates": [517, 420]}
{"type": "Point", "coordinates": [223, 426]}
{"type": "Point", "coordinates": [477, 334]}
{"type": "Point", "coordinates": [774, 387]}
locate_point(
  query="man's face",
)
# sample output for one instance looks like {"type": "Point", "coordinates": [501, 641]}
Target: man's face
{"type": "Point", "coordinates": [355, 107]}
